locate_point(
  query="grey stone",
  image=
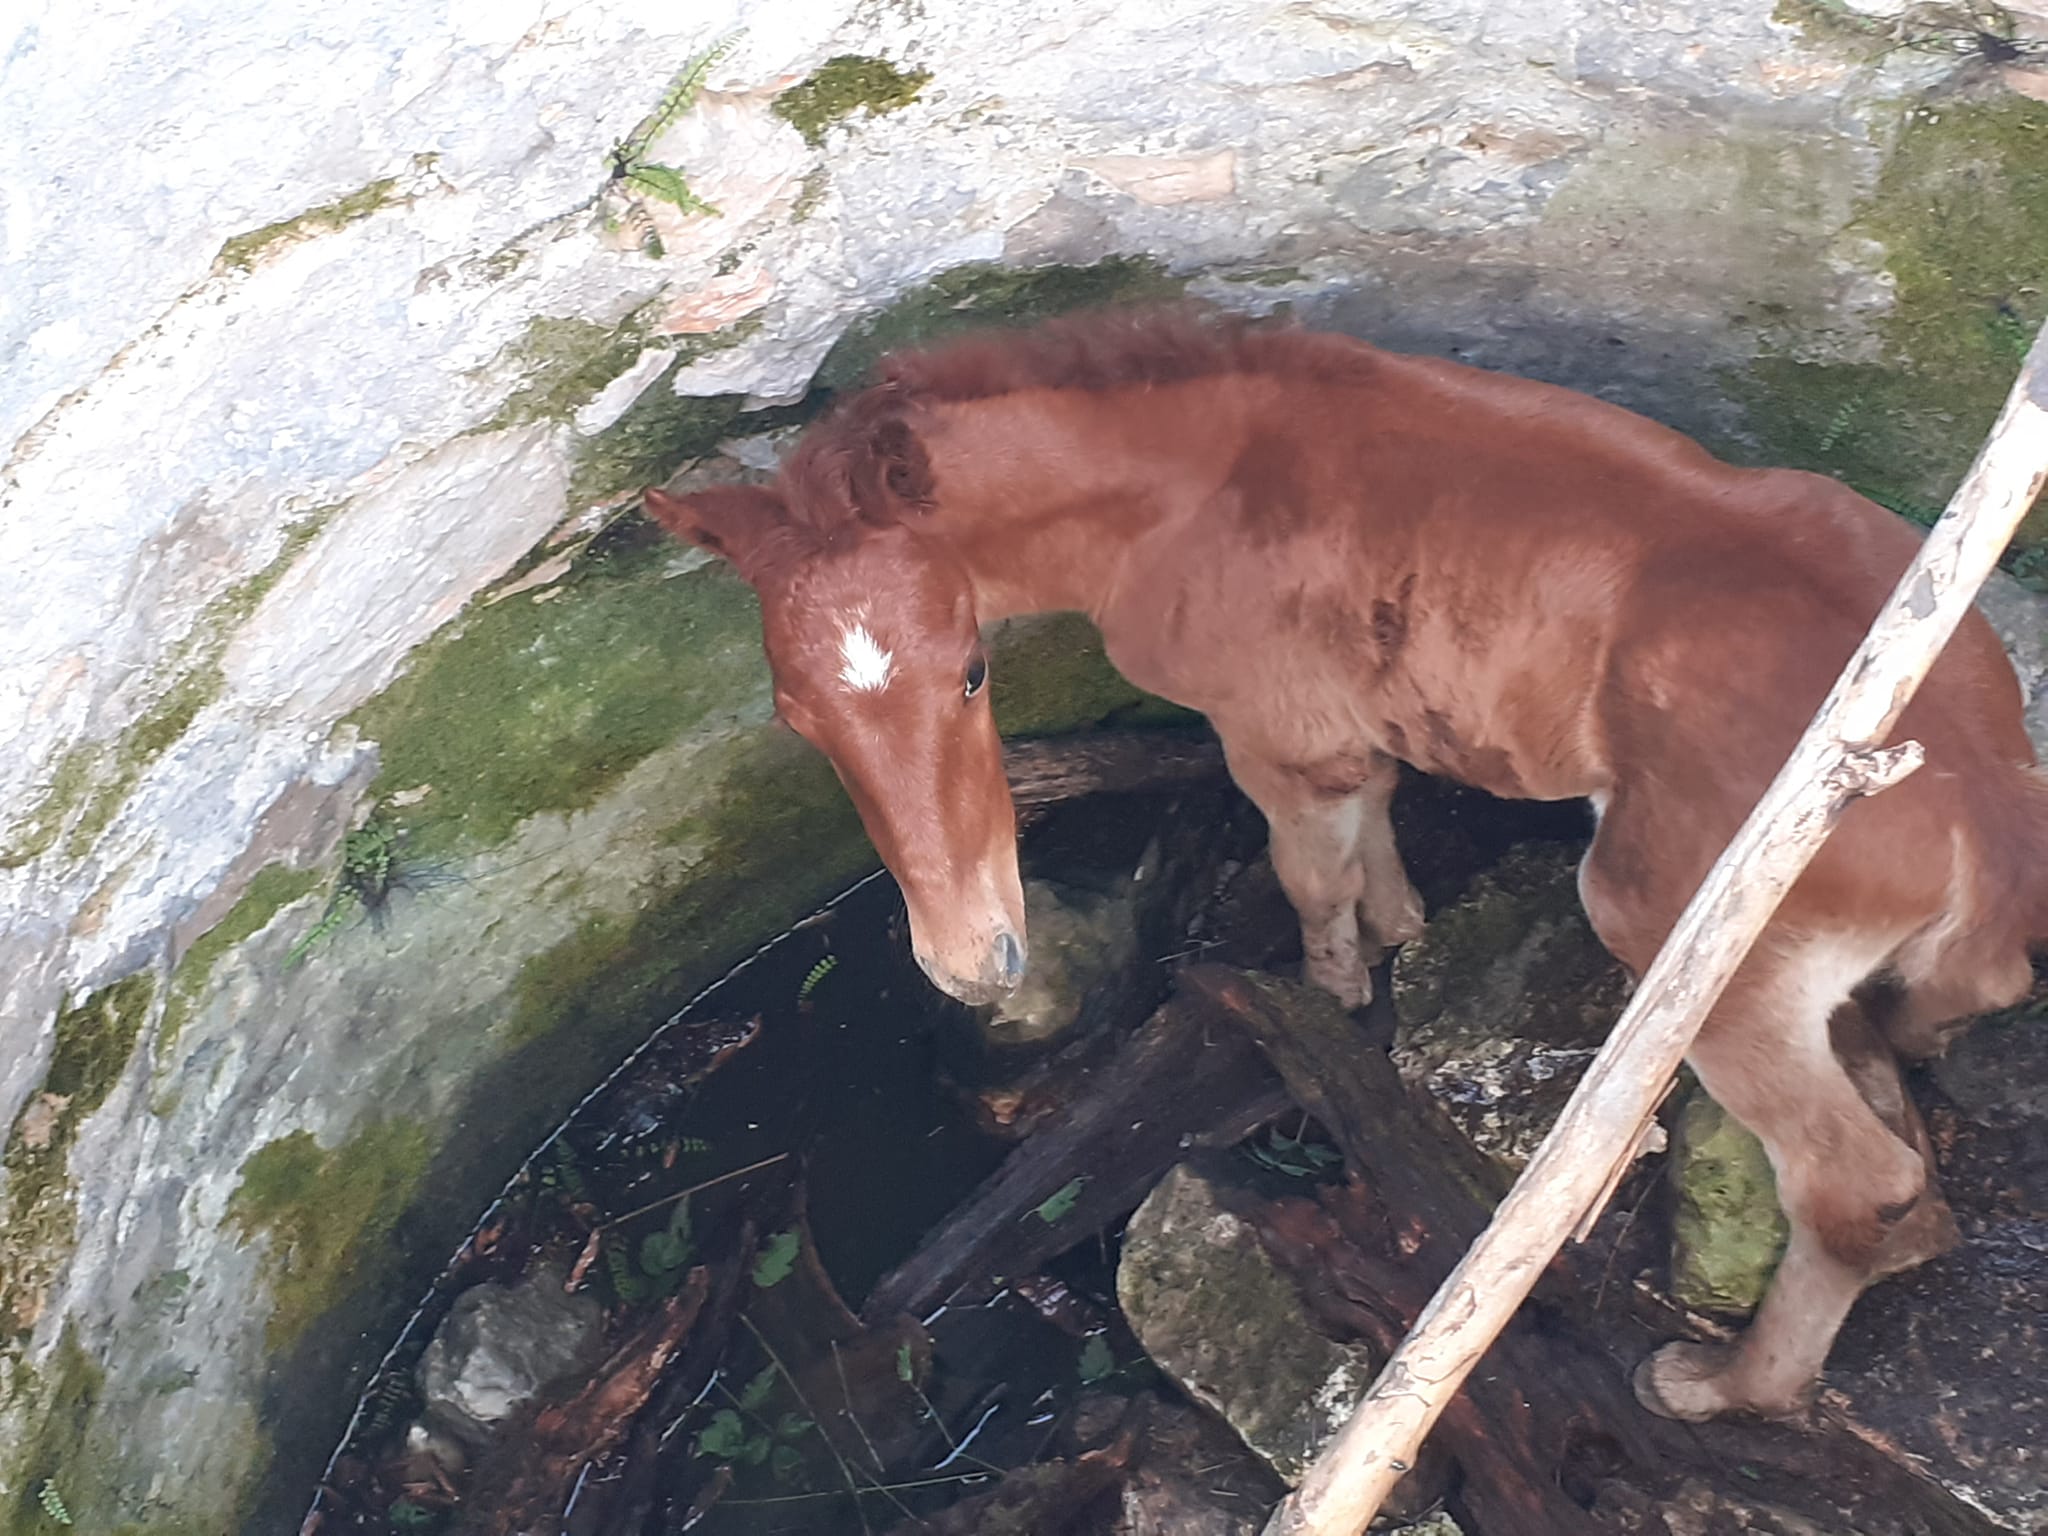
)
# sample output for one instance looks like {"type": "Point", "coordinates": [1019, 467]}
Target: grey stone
{"type": "Point", "coordinates": [500, 1346]}
{"type": "Point", "coordinates": [1216, 1316]}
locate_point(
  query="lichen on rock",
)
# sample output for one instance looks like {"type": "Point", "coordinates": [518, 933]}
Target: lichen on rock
{"type": "Point", "coordinates": [1727, 1232]}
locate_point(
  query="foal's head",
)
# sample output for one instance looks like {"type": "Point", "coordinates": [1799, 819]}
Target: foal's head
{"type": "Point", "coordinates": [877, 660]}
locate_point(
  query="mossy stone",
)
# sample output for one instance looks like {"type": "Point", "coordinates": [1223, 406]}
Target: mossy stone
{"type": "Point", "coordinates": [273, 888]}
{"type": "Point", "coordinates": [241, 252]}
{"type": "Point", "coordinates": [983, 294]}
{"type": "Point", "coordinates": [327, 1214]}
{"type": "Point", "coordinates": [1961, 208]}
{"type": "Point", "coordinates": [540, 705]}
{"type": "Point", "coordinates": [842, 86]}
{"type": "Point", "coordinates": [1727, 1233]}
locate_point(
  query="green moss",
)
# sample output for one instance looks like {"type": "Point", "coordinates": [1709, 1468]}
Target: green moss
{"type": "Point", "coordinates": [241, 252]}
{"type": "Point", "coordinates": [810, 193]}
{"type": "Point", "coordinates": [982, 294]}
{"type": "Point", "coordinates": [94, 1041]}
{"type": "Point", "coordinates": [37, 829]}
{"type": "Point", "coordinates": [528, 707]}
{"type": "Point", "coordinates": [773, 840]}
{"type": "Point", "coordinates": [1829, 23]}
{"type": "Point", "coordinates": [274, 887]}
{"type": "Point", "coordinates": [1961, 208]}
{"type": "Point", "coordinates": [1727, 1232]}
{"type": "Point", "coordinates": [561, 363]}
{"type": "Point", "coordinates": [51, 1452]}
{"type": "Point", "coordinates": [658, 433]}
{"type": "Point", "coordinates": [1050, 675]}
{"type": "Point", "coordinates": [327, 1215]}
{"type": "Point", "coordinates": [842, 86]}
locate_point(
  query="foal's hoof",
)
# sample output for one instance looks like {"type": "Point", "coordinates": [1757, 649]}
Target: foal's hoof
{"type": "Point", "coordinates": [1351, 985]}
{"type": "Point", "coordinates": [1681, 1381]}
{"type": "Point", "coordinates": [1694, 1383]}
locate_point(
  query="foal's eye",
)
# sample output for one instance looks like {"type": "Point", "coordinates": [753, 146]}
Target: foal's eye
{"type": "Point", "coordinates": [977, 674]}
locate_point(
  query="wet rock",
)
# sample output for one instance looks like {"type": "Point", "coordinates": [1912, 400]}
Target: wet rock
{"type": "Point", "coordinates": [1081, 942]}
{"type": "Point", "coordinates": [501, 1345]}
{"type": "Point", "coordinates": [1503, 1001]}
{"type": "Point", "coordinates": [1438, 1524]}
{"type": "Point", "coordinates": [1215, 1314]}
{"type": "Point", "coordinates": [1727, 1231]}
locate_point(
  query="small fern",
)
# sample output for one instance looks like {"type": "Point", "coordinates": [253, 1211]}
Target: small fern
{"type": "Point", "coordinates": [369, 872]}
{"type": "Point", "coordinates": [816, 976]}
{"type": "Point", "coordinates": [1838, 426]}
{"type": "Point", "coordinates": [680, 96]}
{"type": "Point", "coordinates": [636, 177]}
{"type": "Point", "coordinates": [52, 1502]}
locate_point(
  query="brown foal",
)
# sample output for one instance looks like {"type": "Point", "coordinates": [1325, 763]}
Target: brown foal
{"type": "Point", "coordinates": [1348, 558]}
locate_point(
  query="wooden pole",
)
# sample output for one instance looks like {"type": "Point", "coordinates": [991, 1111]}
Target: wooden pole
{"type": "Point", "coordinates": [1840, 757]}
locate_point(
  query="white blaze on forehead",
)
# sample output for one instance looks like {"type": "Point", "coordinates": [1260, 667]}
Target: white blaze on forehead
{"type": "Point", "coordinates": [863, 664]}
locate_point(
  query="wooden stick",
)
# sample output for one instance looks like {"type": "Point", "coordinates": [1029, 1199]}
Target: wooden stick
{"type": "Point", "coordinates": [1839, 758]}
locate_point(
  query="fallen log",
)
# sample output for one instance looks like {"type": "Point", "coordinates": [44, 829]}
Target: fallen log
{"type": "Point", "coordinates": [1841, 755]}
{"type": "Point", "coordinates": [1178, 1081]}
{"type": "Point", "coordinates": [1549, 1440]}
{"type": "Point", "coordinates": [1047, 769]}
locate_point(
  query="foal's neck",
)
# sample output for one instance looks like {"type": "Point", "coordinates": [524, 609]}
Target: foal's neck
{"type": "Point", "coordinates": [1043, 495]}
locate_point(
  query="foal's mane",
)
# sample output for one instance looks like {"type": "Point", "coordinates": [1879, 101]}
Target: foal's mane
{"type": "Point", "coordinates": [862, 466]}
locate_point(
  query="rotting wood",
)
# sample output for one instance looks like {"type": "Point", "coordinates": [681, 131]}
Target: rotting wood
{"type": "Point", "coordinates": [1177, 1079]}
{"type": "Point", "coordinates": [1055, 768]}
{"type": "Point", "coordinates": [1839, 757]}
{"type": "Point", "coordinates": [1550, 1439]}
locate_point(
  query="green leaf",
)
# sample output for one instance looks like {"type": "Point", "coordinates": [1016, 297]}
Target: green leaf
{"type": "Point", "coordinates": [1061, 1203]}
{"type": "Point", "coordinates": [787, 1463]}
{"type": "Point", "coordinates": [792, 1426]}
{"type": "Point", "coordinates": [755, 1451]}
{"type": "Point", "coordinates": [666, 183]}
{"type": "Point", "coordinates": [903, 1371]}
{"type": "Point", "coordinates": [755, 1393]}
{"type": "Point", "coordinates": [777, 1259]}
{"type": "Point", "coordinates": [1096, 1361]}
{"type": "Point", "coordinates": [724, 1437]}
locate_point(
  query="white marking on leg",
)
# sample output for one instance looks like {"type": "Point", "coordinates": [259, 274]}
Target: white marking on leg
{"type": "Point", "coordinates": [863, 665]}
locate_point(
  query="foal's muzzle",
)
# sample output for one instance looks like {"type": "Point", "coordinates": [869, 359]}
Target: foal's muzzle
{"type": "Point", "coordinates": [996, 973]}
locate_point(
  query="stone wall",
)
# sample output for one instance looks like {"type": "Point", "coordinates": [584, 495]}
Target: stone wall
{"type": "Point", "coordinates": [337, 341]}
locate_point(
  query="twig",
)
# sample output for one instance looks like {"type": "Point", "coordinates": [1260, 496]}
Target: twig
{"type": "Point", "coordinates": [684, 1194]}
{"type": "Point", "coordinates": [921, 1482]}
{"type": "Point", "coordinates": [1838, 758]}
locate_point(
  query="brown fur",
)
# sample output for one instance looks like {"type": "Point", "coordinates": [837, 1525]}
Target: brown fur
{"type": "Point", "coordinates": [1344, 557]}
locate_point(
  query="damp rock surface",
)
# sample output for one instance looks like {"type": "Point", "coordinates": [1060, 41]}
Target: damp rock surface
{"type": "Point", "coordinates": [500, 1345]}
{"type": "Point", "coordinates": [1503, 1001]}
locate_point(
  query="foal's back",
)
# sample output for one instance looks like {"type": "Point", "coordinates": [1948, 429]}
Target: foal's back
{"type": "Point", "coordinates": [1547, 596]}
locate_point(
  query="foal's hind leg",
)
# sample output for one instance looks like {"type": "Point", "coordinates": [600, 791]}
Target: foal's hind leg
{"type": "Point", "coordinates": [1855, 1189]}
{"type": "Point", "coordinates": [1333, 849]}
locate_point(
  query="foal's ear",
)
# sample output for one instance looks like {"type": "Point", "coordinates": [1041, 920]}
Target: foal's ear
{"type": "Point", "coordinates": [734, 522]}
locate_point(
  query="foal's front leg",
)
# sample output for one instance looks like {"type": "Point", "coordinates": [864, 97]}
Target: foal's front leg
{"type": "Point", "coordinates": [1334, 852]}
